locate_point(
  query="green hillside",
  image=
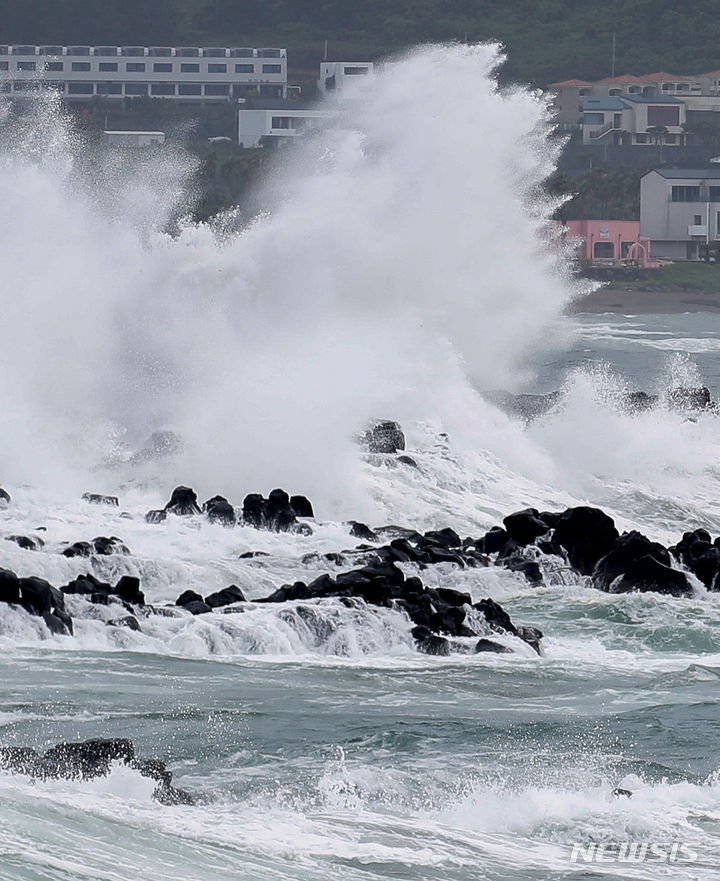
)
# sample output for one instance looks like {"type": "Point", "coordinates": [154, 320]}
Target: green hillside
{"type": "Point", "coordinates": [546, 39]}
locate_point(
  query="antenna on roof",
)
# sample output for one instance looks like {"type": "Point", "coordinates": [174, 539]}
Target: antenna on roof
{"type": "Point", "coordinates": [612, 74]}
{"type": "Point", "coordinates": [326, 48]}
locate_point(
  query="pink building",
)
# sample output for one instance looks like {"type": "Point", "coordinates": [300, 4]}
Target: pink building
{"type": "Point", "coordinates": [608, 240]}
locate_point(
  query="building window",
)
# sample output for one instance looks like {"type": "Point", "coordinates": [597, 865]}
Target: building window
{"type": "Point", "coordinates": [135, 67]}
{"type": "Point", "coordinates": [160, 51]}
{"type": "Point", "coordinates": [47, 50]}
{"type": "Point", "coordinates": [641, 139]}
{"type": "Point", "coordinates": [50, 84]}
{"type": "Point", "coordinates": [162, 68]}
{"type": "Point", "coordinates": [80, 89]}
{"type": "Point", "coordinates": [26, 85]}
{"type": "Point", "coordinates": [217, 91]}
{"type": "Point", "coordinates": [4, 65]}
{"type": "Point", "coordinates": [714, 194]}
{"type": "Point", "coordinates": [81, 66]}
{"type": "Point", "coordinates": [697, 219]}
{"type": "Point", "coordinates": [54, 65]}
{"type": "Point", "coordinates": [189, 68]}
{"type": "Point", "coordinates": [663, 115]}
{"type": "Point", "coordinates": [133, 51]}
{"type": "Point", "coordinates": [23, 50]}
{"type": "Point", "coordinates": [685, 194]}
{"type": "Point", "coordinates": [603, 250]}
{"type": "Point", "coordinates": [78, 50]}
{"type": "Point", "coordinates": [280, 122]}
{"type": "Point", "coordinates": [162, 89]}
{"type": "Point", "coordinates": [272, 68]}
{"type": "Point", "coordinates": [4, 50]}
{"type": "Point", "coordinates": [187, 52]}
{"type": "Point", "coordinates": [615, 92]}
{"type": "Point", "coordinates": [670, 139]}
{"type": "Point", "coordinates": [269, 53]}
{"type": "Point", "coordinates": [108, 66]}
{"type": "Point", "coordinates": [271, 91]}
{"type": "Point", "coordinates": [594, 118]}
{"type": "Point", "coordinates": [355, 71]}
{"type": "Point", "coordinates": [217, 68]}
{"type": "Point", "coordinates": [190, 89]}
{"type": "Point", "coordinates": [214, 53]}
{"type": "Point", "coordinates": [241, 53]}
{"type": "Point", "coordinates": [244, 68]}
{"type": "Point", "coordinates": [717, 224]}
{"type": "Point", "coordinates": [109, 89]}
{"type": "Point", "coordinates": [136, 89]}
{"type": "Point", "coordinates": [26, 65]}
{"type": "Point", "coordinates": [105, 50]}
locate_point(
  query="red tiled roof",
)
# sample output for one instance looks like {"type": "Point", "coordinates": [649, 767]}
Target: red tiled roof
{"type": "Point", "coordinates": [662, 75]}
{"type": "Point", "coordinates": [710, 73]}
{"type": "Point", "coordinates": [572, 83]}
{"type": "Point", "coordinates": [625, 78]}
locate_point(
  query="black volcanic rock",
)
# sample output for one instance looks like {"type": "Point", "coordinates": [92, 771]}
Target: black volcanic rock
{"type": "Point", "coordinates": [219, 510]}
{"type": "Point", "coordinates": [97, 499]}
{"type": "Point", "coordinates": [278, 512]}
{"type": "Point", "coordinates": [4, 498]}
{"type": "Point", "coordinates": [128, 589]}
{"type": "Point", "coordinates": [156, 516]}
{"type": "Point", "coordinates": [301, 506]}
{"type": "Point", "coordinates": [188, 596]}
{"type": "Point", "coordinates": [183, 502]}
{"type": "Point", "coordinates": [628, 548]}
{"type": "Point", "coordinates": [27, 542]}
{"type": "Point", "coordinates": [586, 534]}
{"type": "Point", "coordinates": [489, 645]}
{"type": "Point", "coordinates": [525, 526]}
{"type": "Point", "coordinates": [88, 760]}
{"type": "Point", "coordinates": [253, 510]}
{"type": "Point", "coordinates": [647, 574]}
{"type": "Point", "coordinates": [9, 587]}
{"type": "Point", "coordinates": [225, 597]}
{"type": "Point", "coordinates": [384, 436]}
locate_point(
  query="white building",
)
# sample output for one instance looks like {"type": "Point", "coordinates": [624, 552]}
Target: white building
{"type": "Point", "coordinates": [133, 139]}
{"type": "Point", "coordinates": [335, 76]}
{"type": "Point", "coordinates": [680, 211]}
{"type": "Point", "coordinates": [278, 121]}
{"type": "Point", "coordinates": [641, 120]}
{"type": "Point", "coordinates": [187, 73]}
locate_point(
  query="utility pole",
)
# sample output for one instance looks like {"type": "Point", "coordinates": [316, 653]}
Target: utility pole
{"type": "Point", "coordinates": [612, 74]}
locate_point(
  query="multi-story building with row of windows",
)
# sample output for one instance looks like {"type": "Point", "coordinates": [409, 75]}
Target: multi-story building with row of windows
{"type": "Point", "coordinates": [186, 73]}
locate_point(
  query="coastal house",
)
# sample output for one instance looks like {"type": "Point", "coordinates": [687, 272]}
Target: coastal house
{"type": "Point", "coordinates": [614, 242]}
{"type": "Point", "coordinates": [185, 73]}
{"type": "Point", "coordinates": [635, 119]}
{"type": "Point", "coordinates": [336, 76]}
{"type": "Point", "coordinates": [695, 96]}
{"type": "Point", "coordinates": [680, 211]}
{"type": "Point", "coordinates": [272, 122]}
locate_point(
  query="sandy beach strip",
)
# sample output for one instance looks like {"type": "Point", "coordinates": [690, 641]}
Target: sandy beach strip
{"type": "Point", "coordinates": [634, 302]}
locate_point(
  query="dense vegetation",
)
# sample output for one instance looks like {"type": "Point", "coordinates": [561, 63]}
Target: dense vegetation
{"type": "Point", "coordinates": [546, 39]}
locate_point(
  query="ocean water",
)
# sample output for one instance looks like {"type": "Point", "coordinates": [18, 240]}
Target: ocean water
{"type": "Point", "coordinates": [384, 282]}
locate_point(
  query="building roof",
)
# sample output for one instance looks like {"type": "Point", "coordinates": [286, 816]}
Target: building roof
{"type": "Point", "coordinates": [625, 78]}
{"type": "Point", "coordinates": [572, 83]}
{"type": "Point", "coordinates": [652, 99]}
{"type": "Point", "coordinates": [662, 75]}
{"type": "Point", "coordinates": [603, 104]}
{"type": "Point", "coordinates": [687, 173]}
{"type": "Point", "coordinates": [277, 104]}
{"type": "Point", "coordinates": [711, 73]}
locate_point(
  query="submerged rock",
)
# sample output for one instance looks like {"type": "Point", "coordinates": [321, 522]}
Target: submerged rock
{"type": "Point", "coordinates": [27, 542]}
{"type": "Point", "coordinates": [88, 760]}
{"type": "Point", "coordinates": [97, 499]}
{"type": "Point", "coordinates": [384, 436]}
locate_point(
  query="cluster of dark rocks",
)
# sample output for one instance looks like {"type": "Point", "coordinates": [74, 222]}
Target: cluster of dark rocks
{"type": "Point", "coordinates": [90, 759]}
{"type": "Point", "coordinates": [40, 598]}
{"type": "Point", "coordinates": [278, 513]}
{"type": "Point", "coordinates": [682, 399]}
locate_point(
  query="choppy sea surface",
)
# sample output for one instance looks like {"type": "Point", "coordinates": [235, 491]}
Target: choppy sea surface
{"type": "Point", "coordinates": [322, 745]}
